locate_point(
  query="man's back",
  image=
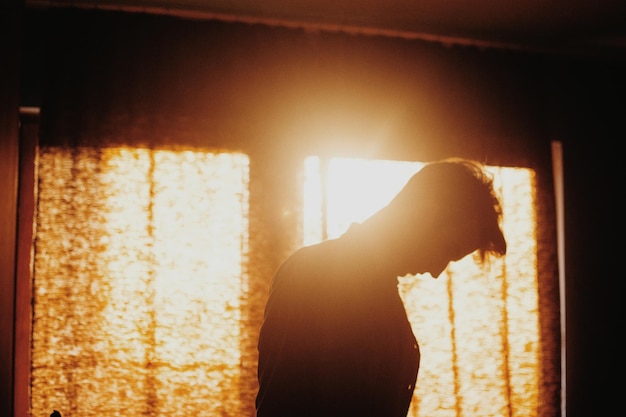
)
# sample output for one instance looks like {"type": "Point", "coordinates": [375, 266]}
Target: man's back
{"type": "Point", "coordinates": [336, 340]}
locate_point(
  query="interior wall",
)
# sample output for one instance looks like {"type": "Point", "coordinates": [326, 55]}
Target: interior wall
{"type": "Point", "coordinates": [288, 89]}
{"type": "Point", "coordinates": [10, 30]}
{"type": "Point", "coordinates": [588, 114]}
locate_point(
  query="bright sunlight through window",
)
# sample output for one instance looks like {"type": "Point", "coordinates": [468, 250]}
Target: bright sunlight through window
{"type": "Point", "coordinates": [478, 329]}
{"type": "Point", "coordinates": [138, 278]}
{"type": "Point", "coordinates": [140, 302]}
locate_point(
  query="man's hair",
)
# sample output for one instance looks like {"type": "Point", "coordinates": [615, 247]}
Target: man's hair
{"type": "Point", "coordinates": [463, 188]}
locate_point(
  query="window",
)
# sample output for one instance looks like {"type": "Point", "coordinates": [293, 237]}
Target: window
{"type": "Point", "coordinates": [147, 290]}
{"type": "Point", "coordinates": [138, 276]}
{"type": "Point", "coordinates": [478, 329]}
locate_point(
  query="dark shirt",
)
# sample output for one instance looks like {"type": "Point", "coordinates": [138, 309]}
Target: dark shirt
{"type": "Point", "coordinates": [335, 340]}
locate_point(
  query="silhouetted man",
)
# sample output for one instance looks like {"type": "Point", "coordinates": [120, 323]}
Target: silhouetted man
{"type": "Point", "coordinates": [336, 340]}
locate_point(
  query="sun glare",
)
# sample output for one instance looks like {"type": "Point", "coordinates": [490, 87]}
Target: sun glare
{"type": "Point", "coordinates": [478, 328]}
{"type": "Point", "coordinates": [355, 189]}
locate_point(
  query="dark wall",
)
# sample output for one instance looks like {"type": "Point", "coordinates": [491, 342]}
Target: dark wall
{"type": "Point", "coordinates": [104, 73]}
{"type": "Point", "coordinates": [589, 116]}
{"type": "Point", "coordinates": [10, 30]}
{"type": "Point", "coordinates": [102, 76]}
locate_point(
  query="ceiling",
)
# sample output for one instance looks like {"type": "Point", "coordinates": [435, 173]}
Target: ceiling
{"type": "Point", "coordinates": [553, 26]}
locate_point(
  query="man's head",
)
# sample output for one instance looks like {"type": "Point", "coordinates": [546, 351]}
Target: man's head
{"type": "Point", "coordinates": [445, 211]}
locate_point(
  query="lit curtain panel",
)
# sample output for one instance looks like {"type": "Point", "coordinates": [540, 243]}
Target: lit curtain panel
{"type": "Point", "coordinates": [138, 280]}
{"type": "Point", "coordinates": [478, 329]}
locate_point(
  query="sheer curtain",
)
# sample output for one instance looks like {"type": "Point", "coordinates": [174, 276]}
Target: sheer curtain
{"type": "Point", "coordinates": [138, 282]}
{"type": "Point", "coordinates": [146, 302]}
{"type": "Point", "coordinates": [479, 328]}
{"type": "Point", "coordinates": [170, 188]}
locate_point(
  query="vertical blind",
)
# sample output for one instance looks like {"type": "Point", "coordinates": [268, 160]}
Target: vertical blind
{"type": "Point", "coordinates": [141, 290]}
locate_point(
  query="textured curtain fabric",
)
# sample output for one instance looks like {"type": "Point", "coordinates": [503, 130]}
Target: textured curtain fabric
{"type": "Point", "coordinates": [139, 283]}
{"type": "Point", "coordinates": [170, 188]}
{"type": "Point", "coordinates": [150, 280]}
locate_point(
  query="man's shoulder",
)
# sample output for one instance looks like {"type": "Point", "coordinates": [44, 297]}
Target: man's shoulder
{"type": "Point", "coordinates": [307, 258]}
{"type": "Point", "coordinates": [309, 263]}
{"type": "Point", "coordinates": [321, 251]}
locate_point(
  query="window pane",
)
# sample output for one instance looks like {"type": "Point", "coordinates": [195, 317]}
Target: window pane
{"type": "Point", "coordinates": [137, 282]}
{"type": "Point", "coordinates": [478, 329]}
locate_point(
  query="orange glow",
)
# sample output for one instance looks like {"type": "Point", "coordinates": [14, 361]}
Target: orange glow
{"type": "Point", "coordinates": [138, 280]}
{"type": "Point", "coordinates": [478, 329]}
